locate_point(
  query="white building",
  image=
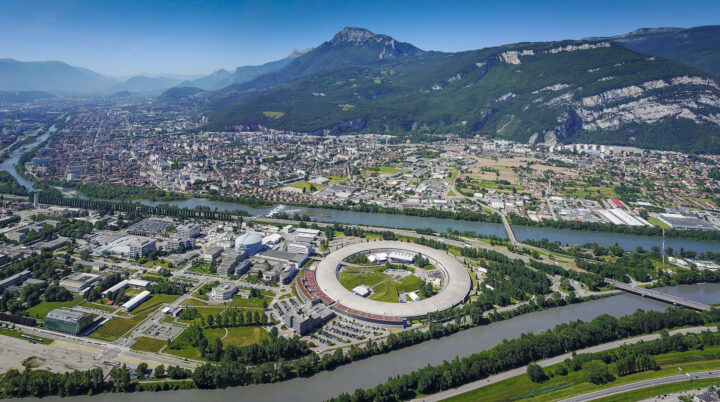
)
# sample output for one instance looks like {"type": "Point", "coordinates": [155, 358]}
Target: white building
{"type": "Point", "coordinates": [223, 291]}
{"type": "Point", "coordinates": [272, 239]}
{"type": "Point", "coordinates": [362, 290]}
{"type": "Point", "coordinates": [131, 304]}
{"type": "Point", "coordinates": [188, 231]}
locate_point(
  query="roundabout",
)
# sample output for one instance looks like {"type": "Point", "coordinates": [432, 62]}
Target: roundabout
{"type": "Point", "coordinates": [323, 283]}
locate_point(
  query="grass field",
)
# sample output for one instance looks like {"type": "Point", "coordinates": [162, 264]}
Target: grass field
{"type": "Point", "coordinates": [274, 115]}
{"type": "Point", "coordinates": [188, 352]}
{"type": "Point", "coordinates": [306, 185]}
{"type": "Point", "coordinates": [153, 302]}
{"type": "Point", "coordinates": [561, 387]}
{"type": "Point", "coordinates": [350, 280]}
{"type": "Point", "coordinates": [117, 327]}
{"type": "Point", "coordinates": [99, 306]}
{"type": "Point", "coordinates": [18, 334]}
{"type": "Point", "coordinates": [148, 344]}
{"type": "Point", "coordinates": [206, 311]}
{"type": "Point", "coordinates": [41, 310]}
{"type": "Point", "coordinates": [388, 290]}
{"type": "Point", "coordinates": [193, 302]}
{"type": "Point", "coordinates": [238, 336]}
{"type": "Point", "coordinates": [380, 170]}
{"type": "Point", "coordinates": [657, 222]}
{"type": "Point", "coordinates": [250, 303]}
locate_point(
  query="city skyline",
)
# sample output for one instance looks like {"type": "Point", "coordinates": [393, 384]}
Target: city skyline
{"type": "Point", "coordinates": [133, 38]}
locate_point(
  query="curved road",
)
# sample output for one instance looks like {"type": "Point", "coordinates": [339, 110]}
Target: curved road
{"type": "Point", "coordinates": [621, 389]}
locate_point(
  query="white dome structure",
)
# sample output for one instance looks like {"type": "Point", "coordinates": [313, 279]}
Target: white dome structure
{"type": "Point", "coordinates": [250, 243]}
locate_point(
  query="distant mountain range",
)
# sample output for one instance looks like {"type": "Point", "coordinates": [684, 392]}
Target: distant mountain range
{"type": "Point", "coordinates": [548, 92]}
{"type": "Point", "coordinates": [655, 88]}
{"type": "Point", "coordinates": [50, 76]}
{"type": "Point", "coordinates": [223, 78]}
{"type": "Point", "coordinates": [24, 96]}
{"type": "Point", "coordinates": [698, 47]}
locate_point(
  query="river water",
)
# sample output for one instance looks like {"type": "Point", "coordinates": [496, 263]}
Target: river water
{"type": "Point", "coordinates": [8, 164]}
{"type": "Point", "coordinates": [375, 370]}
{"type": "Point", "coordinates": [572, 237]}
{"type": "Point", "coordinates": [564, 236]}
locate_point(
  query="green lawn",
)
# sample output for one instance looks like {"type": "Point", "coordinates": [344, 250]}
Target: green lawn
{"type": "Point", "coordinates": [148, 344]}
{"type": "Point", "coordinates": [350, 280]}
{"type": "Point", "coordinates": [380, 170]}
{"type": "Point", "coordinates": [238, 336]}
{"type": "Point", "coordinates": [153, 302]}
{"type": "Point", "coordinates": [274, 115]}
{"type": "Point", "coordinates": [306, 185]}
{"type": "Point", "coordinates": [18, 334]}
{"type": "Point", "coordinates": [193, 302]}
{"type": "Point", "coordinates": [561, 387]}
{"type": "Point", "coordinates": [41, 310]}
{"type": "Point", "coordinates": [188, 352]}
{"type": "Point", "coordinates": [103, 307]}
{"type": "Point", "coordinates": [256, 302]}
{"type": "Point", "coordinates": [657, 222]}
{"type": "Point", "coordinates": [117, 327]}
{"type": "Point", "coordinates": [206, 311]}
{"type": "Point", "coordinates": [388, 290]}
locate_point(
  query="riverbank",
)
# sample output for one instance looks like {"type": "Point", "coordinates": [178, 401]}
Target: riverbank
{"type": "Point", "coordinates": [374, 370]}
{"type": "Point", "coordinates": [476, 389]}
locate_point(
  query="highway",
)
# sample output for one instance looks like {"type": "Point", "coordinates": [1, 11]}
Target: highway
{"type": "Point", "coordinates": [493, 379]}
{"type": "Point", "coordinates": [621, 389]}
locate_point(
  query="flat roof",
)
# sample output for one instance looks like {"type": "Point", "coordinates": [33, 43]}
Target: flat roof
{"type": "Point", "coordinates": [456, 289]}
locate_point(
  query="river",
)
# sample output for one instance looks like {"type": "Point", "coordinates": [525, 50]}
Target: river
{"type": "Point", "coordinates": [572, 237]}
{"type": "Point", "coordinates": [8, 164]}
{"type": "Point", "coordinates": [375, 370]}
{"type": "Point", "coordinates": [564, 236]}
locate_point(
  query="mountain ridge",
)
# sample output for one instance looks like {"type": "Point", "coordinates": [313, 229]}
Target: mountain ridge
{"type": "Point", "coordinates": [542, 92]}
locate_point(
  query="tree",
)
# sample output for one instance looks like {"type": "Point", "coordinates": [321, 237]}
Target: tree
{"type": "Point", "coordinates": [596, 372]}
{"type": "Point", "coordinates": [160, 371]}
{"type": "Point", "coordinates": [536, 373]}
{"type": "Point", "coordinates": [141, 370]}
{"type": "Point", "coordinates": [120, 378]}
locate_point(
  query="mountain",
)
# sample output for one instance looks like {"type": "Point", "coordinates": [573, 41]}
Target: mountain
{"type": "Point", "coordinates": [145, 84]}
{"type": "Point", "coordinates": [223, 78]}
{"type": "Point", "coordinates": [349, 47]}
{"type": "Point", "coordinates": [547, 92]}
{"type": "Point", "coordinates": [51, 76]}
{"type": "Point", "coordinates": [218, 79]}
{"type": "Point", "coordinates": [23, 96]}
{"type": "Point", "coordinates": [698, 47]}
{"type": "Point", "coordinates": [179, 93]}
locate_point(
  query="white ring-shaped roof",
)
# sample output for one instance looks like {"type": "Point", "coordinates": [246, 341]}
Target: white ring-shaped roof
{"type": "Point", "coordinates": [457, 287]}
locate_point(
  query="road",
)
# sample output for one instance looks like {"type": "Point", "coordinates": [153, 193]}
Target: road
{"type": "Point", "coordinates": [508, 229]}
{"type": "Point", "coordinates": [554, 360]}
{"type": "Point", "coordinates": [649, 293]}
{"type": "Point", "coordinates": [621, 389]}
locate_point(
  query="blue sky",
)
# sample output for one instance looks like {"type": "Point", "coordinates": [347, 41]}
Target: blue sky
{"type": "Point", "coordinates": [197, 37]}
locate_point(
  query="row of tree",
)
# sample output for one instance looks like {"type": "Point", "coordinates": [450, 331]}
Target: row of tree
{"type": "Point", "coordinates": [526, 349]}
{"type": "Point", "coordinates": [612, 228]}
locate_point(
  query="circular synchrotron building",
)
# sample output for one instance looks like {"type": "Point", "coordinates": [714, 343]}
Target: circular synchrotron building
{"type": "Point", "coordinates": [322, 283]}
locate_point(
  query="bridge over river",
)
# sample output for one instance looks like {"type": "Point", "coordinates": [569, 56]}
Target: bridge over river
{"type": "Point", "coordinates": [663, 297]}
